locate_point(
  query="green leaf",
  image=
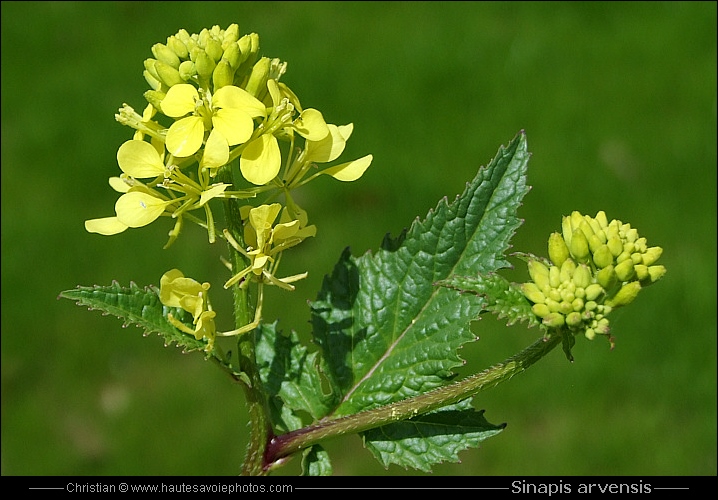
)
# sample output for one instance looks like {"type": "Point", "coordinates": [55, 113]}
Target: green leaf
{"type": "Point", "coordinates": [139, 306]}
{"type": "Point", "coordinates": [502, 297]}
{"type": "Point", "coordinates": [292, 378]}
{"type": "Point", "coordinates": [315, 462]}
{"type": "Point", "coordinates": [431, 438]}
{"type": "Point", "coordinates": [386, 330]}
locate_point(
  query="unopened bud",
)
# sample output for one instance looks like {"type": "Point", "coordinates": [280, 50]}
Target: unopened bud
{"type": "Point", "coordinates": [651, 255]}
{"type": "Point", "coordinates": [615, 245]}
{"type": "Point", "coordinates": [167, 74]}
{"type": "Point", "coordinates": [602, 257]}
{"type": "Point", "coordinates": [257, 84]}
{"type": "Point", "coordinates": [151, 80]}
{"type": "Point", "coordinates": [582, 276]}
{"type": "Point", "coordinates": [557, 249]}
{"type": "Point", "coordinates": [624, 270]}
{"type": "Point", "coordinates": [231, 35]}
{"type": "Point", "coordinates": [232, 55]}
{"type": "Point", "coordinates": [166, 55]}
{"type": "Point", "coordinates": [554, 320]}
{"type": "Point", "coordinates": [593, 291]}
{"type": "Point", "coordinates": [554, 276]}
{"type": "Point", "coordinates": [601, 219]}
{"type": "Point", "coordinates": [223, 75]}
{"type": "Point", "coordinates": [533, 293]}
{"type": "Point", "coordinates": [213, 49]}
{"type": "Point", "coordinates": [538, 272]}
{"type": "Point", "coordinates": [204, 64]}
{"type": "Point", "coordinates": [155, 98]}
{"type": "Point", "coordinates": [606, 277]}
{"type": "Point", "coordinates": [179, 48]}
{"type": "Point", "coordinates": [540, 310]}
{"type": "Point", "coordinates": [641, 272]}
{"type": "Point", "coordinates": [567, 269]}
{"type": "Point", "coordinates": [574, 319]}
{"type": "Point", "coordinates": [579, 246]}
{"type": "Point", "coordinates": [625, 295]}
{"type": "Point", "coordinates": [656, 272]}
{"type": "Point", "coordinates": [187, 70]}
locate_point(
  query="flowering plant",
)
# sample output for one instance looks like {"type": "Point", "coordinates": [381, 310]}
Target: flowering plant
{"type": "Point", "coordinates": [219, 125]}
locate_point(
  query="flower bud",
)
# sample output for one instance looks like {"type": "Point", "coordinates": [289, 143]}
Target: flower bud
{"type": "Point", "coordinates": [187, 70]}
{"type": "Point", "coordinates": [151, 80]}
{"type": "Point", "coordinates": [579, 246]}
{"type": "Point", "coordinates": [574, 319]}
{"type": "Point", "coordinates": [651, 255]}
{"type": "Point", "coordinates": [582, 276]}
{"type": "Point", "coordinates": [533, 293]}
{"type": "Point", "coordinates": [641, 271]}
{"type": "Point", "coordinates": [538, 272]}
{"type": "Point", "coordinates": [554, 277]}
{"type": "Point", "coordinates": [615, 245]}
{"type": "Point", "coordinates": [596, 228]}
{"type": "Point", "coordinates": [155, 98]}
{"type": "Point", "coordinates": [656, 272]}
{"type": "Point", "coordinates": [540, 310]}
{"type": "Point", "coordinates": [625, 295]}
{"type": "Point", "coordinates": [231, 35]}
{"type": "Point", "coordinates": [601, 219]}
{"type": "Point", "coordinates": [257, 84]}
{"type": "Point", "coordinates": [606, 277]}
{"type": "Point", "coordinates": [167, 74]}
{"type": "Point", "coordinates": [567, 269]}
{"type": "Point", "coordinates": [179, 48]}
{"type": "Point", "coordinates": [624, 270]}
{"type": "Point", "coordinates": [213, 49]}
{"type": "Point", "coordinates": [557, 249]}
{"type": "Point", "coordinates": [595, 242]}
{"type": "Point", "coordinates": [566, 229]}
{"type": "Point", "coordinates": [223, 75]}
{"type": "Point", "coordinates": [554, 320]}
{"type": "Point", "coordinates": [204, 64]}
{"type": "Point", "coordinates": [166, 55]}
{"type": "Point", "coordinates": [602, 257]}
{"type": "Point", "coordinates": [232, 55]}
{"type": "Point", "coordinates": [593, 291]}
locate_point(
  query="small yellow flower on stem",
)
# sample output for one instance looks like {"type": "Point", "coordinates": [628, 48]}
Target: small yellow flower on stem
{"type": "Point", "coordinates": [265, 243]}
{"type": "Point", "coordinates": [178, 291]}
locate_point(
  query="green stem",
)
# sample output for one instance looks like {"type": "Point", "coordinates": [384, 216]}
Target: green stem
{"type": "Point", "coordinates": [287, 444]}
{"type": "Point", "coordinates": [259, 423]}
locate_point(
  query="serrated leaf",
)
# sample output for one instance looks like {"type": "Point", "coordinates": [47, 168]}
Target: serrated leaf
{"type": "Point", "coordinates": [315, 462]}
{"type": "Point", "coordinates": [432, 438]}
{"type": "Point", "coordinates": [387, 332]}
{"type": "Point", "coordinates": [503, 298]}
{"type": "Point", "coordinates": [291, 376]}
{"type": "Point", "coordinates": [139, 306]}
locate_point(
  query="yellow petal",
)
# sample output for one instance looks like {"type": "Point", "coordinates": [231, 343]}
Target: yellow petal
{"type": "Point", "coordinates": [137, 209]}
{"type": "Point", "coordinates": [231, 97]}
{"type": "Point", "coordinates": [350, 171]}
{"type": "Point", "coordinates": [215, 191]}
{"type": "Point", "coordinates": [235, 125]}
{"type": "Point", "coordinates": [261, 160]}
{"type": "Point", "coordinates": [140, 159]}
{"type": "Point", "coordinates": [180, 100]}
{"type": "Point", "coordinates": [311, 125]}
{"type": "Point", "coordinates": [216, 151]}
{"type": "Point", "coordinates": [119, 184]}
{"type": "Point", "coordinates": [284, 231]}
{"type": "Point", "coordinates": [184, 138]}
{"type": "Point", "coordinates": [328, 149]}
{"type": "Point", "coordinates": [106, 226]}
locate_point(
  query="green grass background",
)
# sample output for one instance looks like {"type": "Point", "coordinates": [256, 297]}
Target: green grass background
{"type": "Point", "coordinates": [619, 104]}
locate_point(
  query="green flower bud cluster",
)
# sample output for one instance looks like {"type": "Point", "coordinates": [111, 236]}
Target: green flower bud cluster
{"type": "Point", "coordinates": [212, 59]}
{"type": "Point", "coordinates": [594, 267]}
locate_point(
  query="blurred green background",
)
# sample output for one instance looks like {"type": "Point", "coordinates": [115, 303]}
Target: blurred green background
{"type": "Point", "coordinates": [619, 104]}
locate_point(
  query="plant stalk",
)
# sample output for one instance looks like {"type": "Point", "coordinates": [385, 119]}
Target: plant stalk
{"type": "Point", "coordinates": [287, 444]}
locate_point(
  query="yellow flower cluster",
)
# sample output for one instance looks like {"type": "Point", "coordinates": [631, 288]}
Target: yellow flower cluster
{"type": "Point", "coordinates": [595, 266]}
{"type": "Point", "coordinates": [214, 100]}
{"type": "Point", "coordinates": [214, 105]}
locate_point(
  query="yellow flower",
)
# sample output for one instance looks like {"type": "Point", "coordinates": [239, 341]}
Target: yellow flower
{"type": "Point", "coordinates": [227, 115]}
{"type": "Point", "coordinates": [265, 241]}
{"type": "Point", "coordinates": [178, 291]}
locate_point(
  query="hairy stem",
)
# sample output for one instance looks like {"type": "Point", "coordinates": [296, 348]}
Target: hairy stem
{"type": "Point", "coordinates": [259, 423]}
{"type": "Point", "coordinates": [287, 444]}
